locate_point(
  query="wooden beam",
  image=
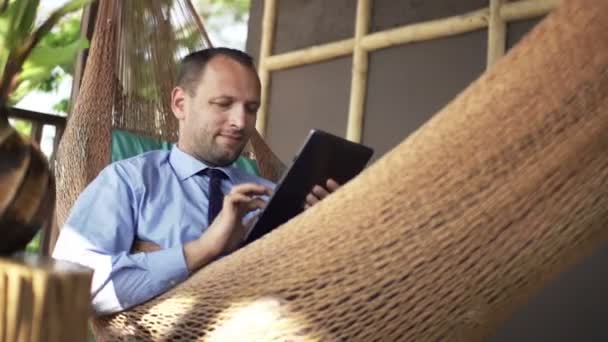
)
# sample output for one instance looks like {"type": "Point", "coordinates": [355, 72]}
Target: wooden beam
{"type": "Point", "coordinates": [36, 132]}
{"type": "Point", "coordinates": [358, 86]}
{"type": "Point", "coordinates": [310, 55]}
{"type": "Point", "coordinates": [497, 33]}
{"type": "Point", "coordinates": [47, 119]}
{"type": "Point", "coordinates": [268, 28]}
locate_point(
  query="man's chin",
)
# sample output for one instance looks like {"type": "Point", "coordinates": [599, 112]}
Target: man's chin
{"type": "Point", "coordinates": [227, 158]}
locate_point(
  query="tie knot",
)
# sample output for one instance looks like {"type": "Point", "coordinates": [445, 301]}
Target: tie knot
{"type": "Point", "coordinates": [215, 173]}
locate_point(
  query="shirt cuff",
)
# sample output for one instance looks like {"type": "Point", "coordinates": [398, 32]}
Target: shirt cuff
{"type": "Point", "coordinates": [169, 265]}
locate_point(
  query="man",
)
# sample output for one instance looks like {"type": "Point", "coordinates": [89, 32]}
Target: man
{"type": "Point", "coordinates": [170, 198]}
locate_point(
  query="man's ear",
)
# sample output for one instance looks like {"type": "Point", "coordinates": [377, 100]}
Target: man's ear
{"type": "Point", "coordinates": [178, 102]}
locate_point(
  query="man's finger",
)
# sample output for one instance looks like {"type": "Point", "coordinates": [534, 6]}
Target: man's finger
{"type": "Point", "coordinates": [311, 199]}
{"type": "Point", "coordinates": [234, 199]}
{"type": "Point", "coordinates": [332, 185]}
{"type": "Point", "coordinates": [241, 199]}
{"type": "Point", "coordinates": [251, 189]}
{"type": "Point", "coordinates": [319, 192]}
{"type": "Point", "coordinates": [255, 203]}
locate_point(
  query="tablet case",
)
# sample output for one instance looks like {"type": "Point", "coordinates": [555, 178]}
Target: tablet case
{"type": "Point", "coordinates": [322, 156]}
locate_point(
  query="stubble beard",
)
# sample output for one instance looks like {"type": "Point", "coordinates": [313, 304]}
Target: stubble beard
{"type": "Point", "coordinates": [218, 155]}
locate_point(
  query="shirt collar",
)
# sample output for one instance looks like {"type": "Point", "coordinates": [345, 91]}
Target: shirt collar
{"type": "Point", "coordinates": [185, 165]}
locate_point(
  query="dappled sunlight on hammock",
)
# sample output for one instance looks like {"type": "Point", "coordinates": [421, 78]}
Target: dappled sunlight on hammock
{"type": "Point", "coordinates": [263, 319]}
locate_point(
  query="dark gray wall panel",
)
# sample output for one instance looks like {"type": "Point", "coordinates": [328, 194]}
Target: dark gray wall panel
{"type": "Point", "coordinates": [312, 96]}
{"type": "Point", "coordinates": [306, 23]}
{"type": "Point", "coordinates": [392, 13]}
{"type": "Point", "coordinates": [572, 308]}
{"type": "Point", "coordinates": [409, 83]}
{"type": "Point", "coordinates": [516, 30]}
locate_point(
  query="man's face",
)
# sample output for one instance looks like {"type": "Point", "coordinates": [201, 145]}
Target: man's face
{"type": "Point", "coordinates": [218, 119]}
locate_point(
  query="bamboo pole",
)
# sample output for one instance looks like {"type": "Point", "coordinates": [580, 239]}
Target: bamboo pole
{"type": "Point", "coordinates": [268, 24]}
{"type": "Point", "coordinates": [358, 86]}
{"type": "Point", "coordinates": [310, 55]}
{"type": "Point", "coordinates": [497, 33]}
{"type": "Point", "coordinates": [427, 30]}
{"type": "Point", "coordinates": [526, 9]}
{"type": "Point", "coordinates": [43, 300]}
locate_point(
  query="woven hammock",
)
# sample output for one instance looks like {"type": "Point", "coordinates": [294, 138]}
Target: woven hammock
{"type": "Point", "coordinates": [440, 239]}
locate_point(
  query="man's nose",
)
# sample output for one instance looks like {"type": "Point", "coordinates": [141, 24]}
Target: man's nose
{"type": "Point", "coordinates": [237, 117]}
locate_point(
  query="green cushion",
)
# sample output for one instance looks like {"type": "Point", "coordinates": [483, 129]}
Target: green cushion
{"type": "Point", "coordinates": [247, 165]}
{"type": "Point", "coordinates": [126, 144]}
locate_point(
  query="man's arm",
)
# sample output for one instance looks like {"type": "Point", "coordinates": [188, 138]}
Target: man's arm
{"type": "Point", "coordinates": [99, 234]}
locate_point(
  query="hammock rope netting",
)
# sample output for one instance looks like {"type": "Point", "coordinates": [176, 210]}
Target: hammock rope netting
{"type": "Point", "coordinates": [440, 239]}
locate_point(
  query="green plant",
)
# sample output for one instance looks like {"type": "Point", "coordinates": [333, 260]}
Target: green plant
{"type": "Point", "coordinates": [28, 55]}
{"type": "Point", "coordinates": [238, 9]}
{"type": "Point", "coordinates": [52, 62]}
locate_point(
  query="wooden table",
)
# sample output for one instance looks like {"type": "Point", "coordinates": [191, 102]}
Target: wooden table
{"type": "Point", "coordinates": [43, 300]}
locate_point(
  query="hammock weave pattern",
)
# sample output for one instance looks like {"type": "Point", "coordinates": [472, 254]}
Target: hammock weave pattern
{"type": "Point", "coordinates": [445, 235]}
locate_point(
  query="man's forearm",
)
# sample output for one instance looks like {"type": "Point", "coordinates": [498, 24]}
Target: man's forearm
{"type": "Point", "coordinates": [200, 252]}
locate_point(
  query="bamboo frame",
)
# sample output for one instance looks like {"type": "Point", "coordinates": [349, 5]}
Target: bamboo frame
{"type": "Point", "coordinates": [268, 24]}
{"type": "Point", "coordinates": [354, 130]}
{"type": "Point", "coordinates": [497, 34]}
{"type": "Point", "coordinates": [492, 17]}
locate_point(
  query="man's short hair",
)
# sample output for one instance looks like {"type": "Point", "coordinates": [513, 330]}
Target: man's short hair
{"type": "Point", "coordinates": [192, 66]}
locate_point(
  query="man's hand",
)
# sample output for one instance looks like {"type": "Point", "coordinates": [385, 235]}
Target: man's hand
{"type": "Point", "coordinates": [227, 231]}
{"type": "Point", "coordinates": [318, 192]}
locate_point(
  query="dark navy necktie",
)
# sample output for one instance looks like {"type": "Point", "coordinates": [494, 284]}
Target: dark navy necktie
{"type": "Point", "coordinates": [216, 196]}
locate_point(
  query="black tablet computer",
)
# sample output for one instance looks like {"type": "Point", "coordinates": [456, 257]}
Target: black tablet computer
{"type": "Point", "coordinates": [322, 156]}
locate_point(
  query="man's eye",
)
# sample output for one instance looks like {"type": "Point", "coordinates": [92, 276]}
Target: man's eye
{"type": "Point", "coordinates": [222, 104]}
{"type": "Point", "coordinates": [253, 108]}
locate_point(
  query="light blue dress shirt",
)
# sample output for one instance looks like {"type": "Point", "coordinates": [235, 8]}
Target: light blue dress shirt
{"type": "Point", "coordinates": [159, 197]}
